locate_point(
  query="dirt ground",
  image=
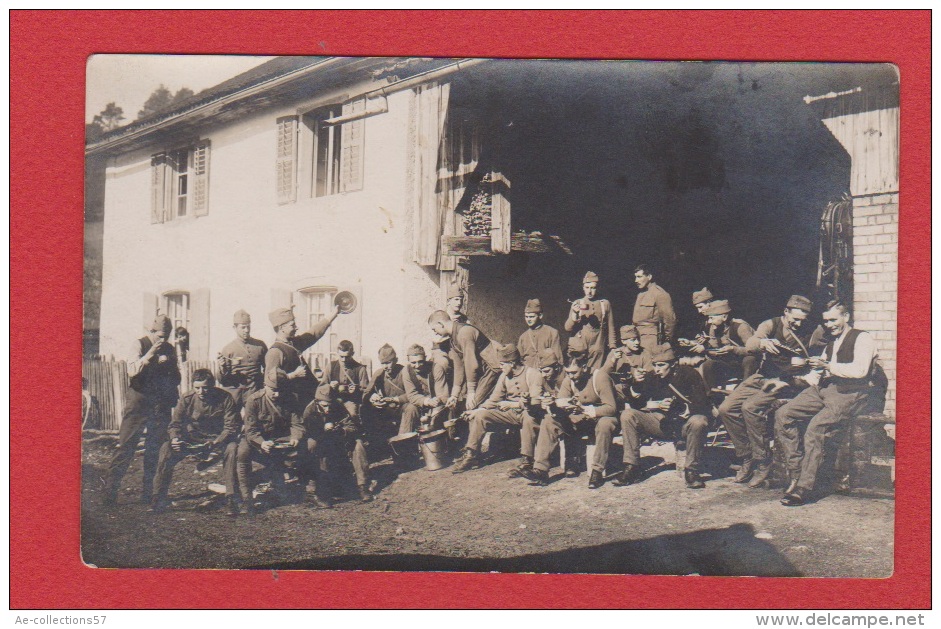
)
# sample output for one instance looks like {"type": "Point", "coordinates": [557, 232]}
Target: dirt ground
{"type": "Point", "coordinates": [484, 521]}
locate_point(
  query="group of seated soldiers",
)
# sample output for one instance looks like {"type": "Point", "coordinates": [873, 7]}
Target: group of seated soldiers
{"type": "Point", "coordinates": [309, 427]}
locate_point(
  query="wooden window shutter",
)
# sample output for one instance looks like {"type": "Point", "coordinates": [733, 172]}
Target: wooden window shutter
{"type": "Point", "coordinates": [199, 324]}
{"type": "Point", "coordinates": [150, 309]}
{"type": "Point", "coordinates": [158, 188]}
{"type": "Point", "coordinates": [200, 179]}
{"type": "Point", "coordinates": [351, 148]}
{"type": "Point", "coordinates": [286, 163]}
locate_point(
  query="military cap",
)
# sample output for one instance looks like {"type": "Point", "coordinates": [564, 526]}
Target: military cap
{"type": "Point", "coordinates": [547, 358]}
{"type": "Point", "coordinates": [577, 348]}
{"type": "Point", "coordinates": [280, 316]}
{"type": "Point", "coordinates": [345, 346]}
{"type": "Point", "coordinates": [533, 305]}
{"type": "Point", "coordinates": [415, 350]}
{"type": "Point", "coordinates": [508, 353]}
{"type": "Point", "coordinates": [386, 354]}
{"type": "Point", "coordinates": [161, 323]}
{"type": "Point", "coordinates": [718, 307]}
{"type": "Point", "coordinates": [701, 296]}
{"type": "Point", "coordinates": [663, 354]}
{"type": "Point", "coordinates": [801, 302]}
{"type": "Point", "coordinates": [629, 332]}
{"type": "Point", "coordinates": [275, 378]}
{"type": "Point", "coordinates": [454, 290]}
{"type": "Point", "coordinates": [590, 277]}
{"type": "Point", "coordinates": [241, 318]}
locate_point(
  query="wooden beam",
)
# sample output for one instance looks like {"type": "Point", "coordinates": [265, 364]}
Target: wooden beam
{"type": "Point", "coordinates": [535, 242]}
{"type": "Point", "coordinates": [466, 246]}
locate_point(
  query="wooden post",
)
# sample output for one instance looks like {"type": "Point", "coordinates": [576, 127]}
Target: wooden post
{"type": "Point", "coordinates": [500, 241]}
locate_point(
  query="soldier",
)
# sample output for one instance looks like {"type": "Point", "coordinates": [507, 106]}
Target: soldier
{"type": "Point", "coordinates": [154, 377]}
{"type": "Point", "coordinates": [592, 320]}
{"type": "Point", "coordinates": [676, 408]}
{"type": "Point", "coordinates": [511, 403]}
{"type": "Point", "coordinates": [345, 380]}
{"type": "Point", "coordinates": [386, 392]}
{"type": "Point", "coordinates": [555, 426]}
{"type": "Point", "coordinates": [285, 352]}
{"type": "Point", "coordinates": [274, 437]}
{"type": "Point", "coordinates": [589, 401]}
{"type": "Point", "coordinates": [425, 388]}
{"type": "Point", "coordinates": [538, 336]}
{"type": "Point", "coordinates": [825, 407]}
{"type": "Point", "coordinates": [726, 354]}
{"type": "Point", "coordinates": [626, 362]}
{"type": "Point", "coordinates": [340, 441]}
{"type": "Point", "coordinates": [696, 347]}
{"type": "Point", "coordinates": [473, 358]}
{"type": "Point", "coordinates": [784, 346]}
{"type": "Point", "coordinates": [702, 299]}
{"type": "Point", "coordinates": [242, 361]}
{"type": "Point", "coordinates": [653, 311]}
{"type": "Point", "coordinates": [205, 420]}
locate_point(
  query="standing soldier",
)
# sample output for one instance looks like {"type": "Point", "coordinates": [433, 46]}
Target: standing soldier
{"type": "Point", "coordinates": [626, 362]}
{"type": "Point", "coordinates": [473, 357]}
{"type": "Point", "coordinates": [154, 377]}
{"type": "Point", "coordinates": [285, 352]}
{"type": "Point", "coordinates": [242, 361]}
{"type": "Point", "coordinates": [206, 418]}
{"type": "Point", "coordinates": [425, 388]}
{"type": "Point", "coordinates": [676, 408]}
{"type": "Point", "coordinates": [386, 392]}
{"type": "Point", "coordinates": [345, 380]}
{"type": "Point", "coordinates": [592, 321]}
{"type": "Point", "coordinates": [538, 336]}
{"type": "Point", "coordinates": [653, 311]}
{"type": "Point", "coordinates": [784, 345]}
{"type": "Point", "coordinates": [511, 403]}
{"type": "Point", "coordinates": [824, 408]}
{"type": "Point", "coordinates": [589, 401]}
{"type": "Point", "coordinates": [274, 437]}
{"type": "Point", "coordinates": [726, 354]}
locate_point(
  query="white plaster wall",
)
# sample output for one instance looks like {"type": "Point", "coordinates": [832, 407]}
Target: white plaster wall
{"type": "Point", "coordinates": [249, 245]}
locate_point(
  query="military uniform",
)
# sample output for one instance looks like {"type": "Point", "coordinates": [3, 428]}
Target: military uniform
{"type": "Point", "coordinates": [286, 355]}
{"type": "Point", "coordinates": [653, 310]}
{"type": "Point", "coordinates": [422, 388]}
{"type": "Point", "coordinates": [739, 361]}
{"type": "Point", "coordinates": [557, 426]}
{"type": "Point", "coordinates": [475, 363]}
{"type": "Point", "coordinates": [151, 394]}
{"type": "Point", "coordinates": [623, 364]}
{"type": "Point", "coordinates": [401, 411]}
{"type": "Point", "coordinates": [243, 368]}
{"type": "Point", "coordinates": [214, 420]}
{"type": "Point", "coordinates": [538, 338]}
{"type": "Point", "coordinates": [595, 326]}
{"type": "Point", "coordinates": [346, 373]}
{"type": "Point", "coordinates": [686, 420]}
{"type": "Point", "coordinates": [272, 420]}
{"type": "Point", "coordinates": [744, 413]}
{"type": "Point", "coordinates": [339, 439]}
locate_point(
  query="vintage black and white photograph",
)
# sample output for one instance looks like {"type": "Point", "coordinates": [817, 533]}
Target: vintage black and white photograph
{"type": "Point", "coordinates": [476, 315]}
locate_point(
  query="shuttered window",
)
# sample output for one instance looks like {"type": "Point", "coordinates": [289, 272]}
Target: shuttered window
{"type": "Point", "coordinates": [337, 149]}
{"type": "Point", "coordinates": [351, 152]}
{"type": "Point", "coordinates": [286, 162]}
{"type": "Point", "coordinates": [179, 183]}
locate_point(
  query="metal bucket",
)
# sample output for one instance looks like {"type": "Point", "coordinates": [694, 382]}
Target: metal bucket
{"type": "Point", "coordinates": [433, 446]}
{"type": "Point", "coordinates": [403, 446]}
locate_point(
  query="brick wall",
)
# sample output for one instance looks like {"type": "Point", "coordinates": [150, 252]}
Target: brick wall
{"type": "Point", "coordinates": [875, 276]}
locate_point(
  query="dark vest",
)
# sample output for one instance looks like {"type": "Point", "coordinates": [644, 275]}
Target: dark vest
{"type": "Point", "coordinates": [777, 366]}
{"type": "Point", "coordinates": [304, 388]}
{"type": "Point", "coordinates": [846, 354]}
{"type": "Point", "coordinates": [158, 378]}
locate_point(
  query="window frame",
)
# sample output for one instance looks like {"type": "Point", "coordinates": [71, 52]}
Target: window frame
{"type": "Point", "coordinates": [185, 304]}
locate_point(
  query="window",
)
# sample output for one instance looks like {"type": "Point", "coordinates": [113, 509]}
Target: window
{"type": "Point", "coordinates": [320, 154]}
{"type": "Point", "coordinates": [177, 307]}
{"type": "Point", "coordinates": [319, 302]}
{"type": "Point", "coordinates": [180, 183]}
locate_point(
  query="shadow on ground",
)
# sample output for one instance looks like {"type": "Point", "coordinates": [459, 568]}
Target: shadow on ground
{"type": "Point", "coordinates": [731, 551]}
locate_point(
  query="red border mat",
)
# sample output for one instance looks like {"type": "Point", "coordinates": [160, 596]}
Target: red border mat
{"type": "Point", "coordinates": [47, 81]}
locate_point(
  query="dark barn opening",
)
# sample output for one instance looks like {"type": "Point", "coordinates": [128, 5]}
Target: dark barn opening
{"type": "Point", "coordinates": [716, 174]}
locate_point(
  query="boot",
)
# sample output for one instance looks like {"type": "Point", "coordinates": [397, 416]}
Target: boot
{"type": "Point", "coordinates": [596, 480]}
{"type": "Point", "coordinates": [693, 480]}
{"type": "Point", "coordinates": [526, 463]}
{"type": "Point", "coordinates": [158, 505]}
{"type": "Point", "coordinates": [792, 483]}
{"type": "Point", "coordinates": [795, 498]}
{"type": "Point", "coordinates": [573, 467]}
{"type": "Point", "coordinates": [467, 461]}
{"type": "Point", "coordinates": [536, 477]}
{"type": "Point", "coordinates": [745, 472]}
{"type": "Point", "coordinates": [843, 484]}
{"type": "Point", "coordinates": [760, 477]}
{"type": "Point", "coordinates": [231, 506]}
{"type": "Point", "coordinates": [247, 507]}
{"type": "Point", "coordinates": [364, 494]}
{"type": "Point", "coordinates": [628, 476]}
